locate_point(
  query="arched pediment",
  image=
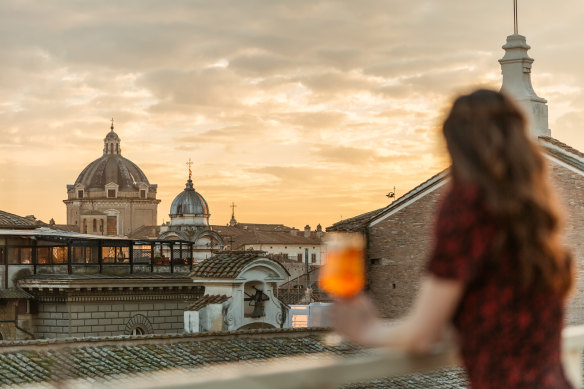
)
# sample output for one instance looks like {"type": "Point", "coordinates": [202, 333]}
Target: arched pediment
{"type": "Point", "coordinates": [209, 234]}
{"type": "Point", "coordinates": [173, 235]}
{"type": "Point", "coordinates": [270, 268]}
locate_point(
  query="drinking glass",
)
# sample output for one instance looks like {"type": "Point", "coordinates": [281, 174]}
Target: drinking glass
{"type": "Point", "coordinates": [343, 272]}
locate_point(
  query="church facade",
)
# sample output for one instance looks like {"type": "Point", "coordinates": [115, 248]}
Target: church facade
{"type": "Point", "coordinates": [112, 195]}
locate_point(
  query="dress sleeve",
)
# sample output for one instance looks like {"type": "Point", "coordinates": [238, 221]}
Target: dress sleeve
{"type": "Point", "coordinates": [463, 233]}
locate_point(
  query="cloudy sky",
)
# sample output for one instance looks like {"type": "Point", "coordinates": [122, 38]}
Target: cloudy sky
{"type": "Point", "coordinates": [301, 112]}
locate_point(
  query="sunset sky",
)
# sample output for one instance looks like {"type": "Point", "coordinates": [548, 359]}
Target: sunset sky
{"type": "Point", "coordinates": [300, 112]}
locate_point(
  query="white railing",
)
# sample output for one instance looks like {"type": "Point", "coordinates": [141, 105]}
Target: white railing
{"type": "Point", "coordinates": [322, 370]}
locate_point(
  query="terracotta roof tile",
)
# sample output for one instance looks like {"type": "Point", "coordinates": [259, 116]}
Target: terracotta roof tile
{"type": "Point", "coordinates": [226, 264]}
{"type": "Point", "coordinates": [115, 358]}
{"type": "Point", "coordinates": [12, 221]}
{"type": "Point", "coordinates": [145, 232]}
{"type": "Point", "coordinates": [206, 300]}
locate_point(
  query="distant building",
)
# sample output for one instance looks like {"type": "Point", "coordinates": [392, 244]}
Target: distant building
{"type": "Point", "coordinates": [240, 293]}
{"type": "Point", "coordinates": [112, 195]}
{"type": "Point", "coordinates": [279, 241]}
{"type": "Point", "coordinates": [189, 220]}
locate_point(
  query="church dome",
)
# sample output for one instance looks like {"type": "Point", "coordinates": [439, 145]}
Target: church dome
{"type": "Point", "coordinates": [112, 167]}
{"type": "Point", "coordinates": [189, 202]}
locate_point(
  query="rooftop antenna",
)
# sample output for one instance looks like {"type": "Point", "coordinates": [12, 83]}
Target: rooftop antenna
{"type": "Point", "coordinates": [515, 24]}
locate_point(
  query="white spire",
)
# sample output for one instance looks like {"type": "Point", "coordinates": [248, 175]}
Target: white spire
{"type": "Point", "coordinates": [516, 68]}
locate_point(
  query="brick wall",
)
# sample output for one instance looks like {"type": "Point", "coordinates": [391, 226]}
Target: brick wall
{"type": "Point", "coordinates": [397, 251]}
{"type": "Point", "coordinates": [59, 320]}
{"type": "Point", "coordinates": [570, 187]}
{"type": "Point", "coordinates": [399, 247]}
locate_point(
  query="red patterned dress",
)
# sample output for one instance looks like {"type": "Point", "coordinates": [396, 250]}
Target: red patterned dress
{"type": "Point", "coordinates": [509, 337]}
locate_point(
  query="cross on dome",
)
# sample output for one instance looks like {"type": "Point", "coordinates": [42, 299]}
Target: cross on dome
{"type": "Point", "coordinates": [189, 164]}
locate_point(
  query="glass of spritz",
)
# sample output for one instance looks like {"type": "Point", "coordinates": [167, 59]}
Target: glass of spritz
{"type": "Point", "coordinates": [343, 272]}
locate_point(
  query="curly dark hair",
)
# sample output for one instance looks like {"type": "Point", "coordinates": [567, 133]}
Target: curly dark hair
{"type": "Point", "coordinates": [489, 145]}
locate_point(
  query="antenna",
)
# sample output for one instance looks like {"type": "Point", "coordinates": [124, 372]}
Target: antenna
{"type": "Point", "coordinates": [515, 23]}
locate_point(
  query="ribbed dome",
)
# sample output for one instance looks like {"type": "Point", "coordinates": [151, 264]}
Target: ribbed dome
{"type": "Point", "coordinates": [111, 168]}
{"type": "Point", "coordinates": [112, 136]}
{"type": "Point", "coordinates": [189, 202]}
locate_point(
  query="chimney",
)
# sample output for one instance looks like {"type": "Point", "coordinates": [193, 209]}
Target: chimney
{"type": "Point", "coordinates": [307, 231]}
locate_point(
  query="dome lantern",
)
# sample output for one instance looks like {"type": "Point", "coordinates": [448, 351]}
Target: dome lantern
{"type": "Point", "coordinates": [111, 142]}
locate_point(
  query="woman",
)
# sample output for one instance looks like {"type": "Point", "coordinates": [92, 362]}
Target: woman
{"type": "Point", "coordinates": [498, 271]}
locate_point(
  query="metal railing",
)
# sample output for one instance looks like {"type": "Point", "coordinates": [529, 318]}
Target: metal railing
{"type": "Point", "coordinates": [324, 370]}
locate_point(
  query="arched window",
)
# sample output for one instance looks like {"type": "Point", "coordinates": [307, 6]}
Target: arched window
{"type": "Point", "coordinates": [117, 148]}
{"type": "Point", "coordinates": [138, 331]}
{"type": "Point", "coordinates": [111, 148]}
{"type": "Point", "coordinates": [85, 226]}
{"type": "Point", "coordinates": [94, 225]}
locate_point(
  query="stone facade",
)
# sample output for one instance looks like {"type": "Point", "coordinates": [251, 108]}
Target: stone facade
{"type": "Point", "coordinates": [112, 195]}
{"type": "Point", "coordinates": [61, 320]}
{"type": "Point", "coordinates": [131, 305]}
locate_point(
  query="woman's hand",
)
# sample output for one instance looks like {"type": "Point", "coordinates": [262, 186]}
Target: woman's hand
{"type": "Point", "coordinates": [356, 320]}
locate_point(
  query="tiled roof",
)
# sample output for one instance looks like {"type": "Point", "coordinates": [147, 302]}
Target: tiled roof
{"type": "Point", "coordinates": [226, 264]}
{"type": "Point", "coordinates": [356, 223]}
{"type": "Point", "coordinates": [14, 294]}
{"type": "Point", "coordinates": [563, 152]}
{"type": "Point", "coordinates": [262, 237]}
{"type": "Point", "coordinates": [359, 223]}
{"type": "Point", "coordinates": [12, 221]}
{"type": "Point", "coordinates": [145, 232]}
{"type": "Point", "coordinates": [64, 227]}
{"type": "Point", "coordinates": [105, 358]}
{"type": "Point", "coordinates": [202, 302]}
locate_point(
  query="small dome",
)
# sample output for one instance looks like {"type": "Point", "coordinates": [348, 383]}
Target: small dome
{"type": "Point", "coordinates": [112, 136]}
{"type": "Point", "coordinates": [189, 202]}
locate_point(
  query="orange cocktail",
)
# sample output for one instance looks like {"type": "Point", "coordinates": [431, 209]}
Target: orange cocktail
{"type": "Point", "coordinates": [343, 272]}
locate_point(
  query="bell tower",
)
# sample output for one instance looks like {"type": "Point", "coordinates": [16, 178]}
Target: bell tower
{"type": "Point", "coordinates": [516, 69]}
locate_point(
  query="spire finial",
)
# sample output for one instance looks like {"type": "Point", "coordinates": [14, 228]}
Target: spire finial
{"type": "Point", "coordinates": [189, 164]}
{"type": "Point", "coordinates": [515, 24]}
{"type": "Point", "coordinates": [233, 222]}
{"type": "Point", "coordinates": [112, 127]}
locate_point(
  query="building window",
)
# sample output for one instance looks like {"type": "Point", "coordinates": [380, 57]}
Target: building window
{"type": "Point", "coordinates": [80, 194]}
{"type": "Point", "coordinates": [299, 257]}
{"type": "Point", "coordinates": [101, 226]}
{"type": "Point", "coordinates": [142, 193]}
{"type": "Point", "coordinates": [94, 225]}
{"type": "Point", "coordinates": [111, 193]}
{"type": "Point", "coordinates": [85, 226]}
{"type": "Point", "coordinates": [313, 258]}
